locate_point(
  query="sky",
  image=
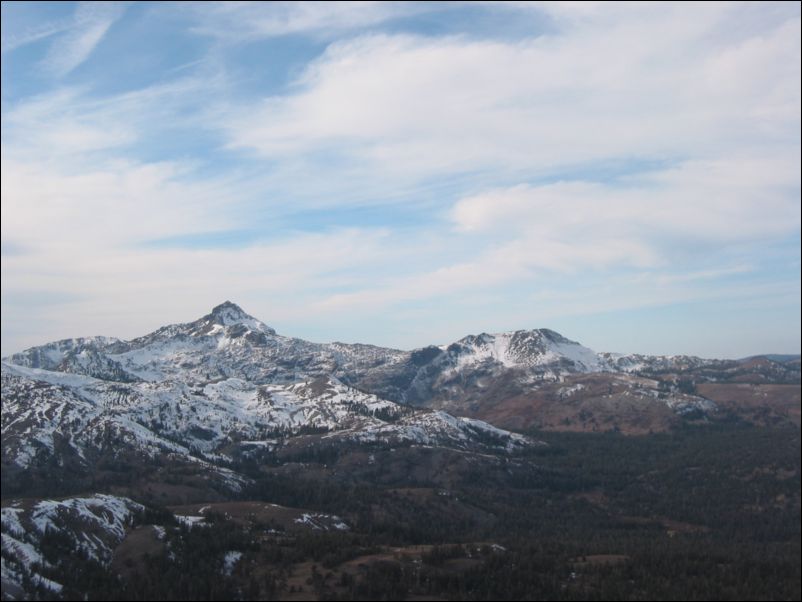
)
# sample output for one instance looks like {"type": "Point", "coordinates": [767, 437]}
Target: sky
{"type": "Point", "coordinates": [405, 174]}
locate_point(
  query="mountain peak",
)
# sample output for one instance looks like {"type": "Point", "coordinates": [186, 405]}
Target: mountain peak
{"type": "Point", "coordinates": [539, 347]}
{"type": "Point", "coordinates": [229, 310]}
{"type": "Point", "coordinates": [229, 314]}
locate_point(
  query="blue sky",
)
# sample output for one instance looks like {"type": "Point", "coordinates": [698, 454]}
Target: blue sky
{"type": "Point", "coordinates": [405, 173]}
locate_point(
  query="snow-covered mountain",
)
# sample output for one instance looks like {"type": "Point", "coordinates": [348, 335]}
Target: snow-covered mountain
{"type": "Point", "coordinates": [453, 376]}
{"type": "Point", "coordinates": [227, 377]}
{"type": "Point", "coordinates": [208, 389]}
{"type": "Point", "coordinates": [203, 393]}
{"type": "Point", "coordinates": [229, 343]}
{"type": "Point", "coordinates": [225, 343]}
{"type": "Point", "coordinates": [543, 348]}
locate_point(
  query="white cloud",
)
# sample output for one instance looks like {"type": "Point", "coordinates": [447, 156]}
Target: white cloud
{"type": "Point", "coordinates": [653, 84]}
{"type": "Point", "coordinates": [121, 203]}
{"type": "Point", "coordinates": [724, 200]}
{"type": "Point", "coordinates": [60, 124]}
{"type": "Point", "coordinates": [243, 21]}
{"type": "Point", "coordinates": [665, 220]}
{"type": "Point", "coordinates": [17, 39]}
{"type": "Point", "coordinates": [71, 126]}
{"type": "Point", "coordinates": [91, 22]}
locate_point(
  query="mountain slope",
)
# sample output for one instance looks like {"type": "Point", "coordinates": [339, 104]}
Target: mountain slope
{"type": "Point", "coordinates": [205, 387]}
{"type": "Point", "coordinates": [94, 526]}
{"type": "Point", "coordinates": [196, 398]}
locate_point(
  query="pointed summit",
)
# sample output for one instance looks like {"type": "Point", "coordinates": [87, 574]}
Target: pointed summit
{"type": "Point", "coordinates": [229, 314]}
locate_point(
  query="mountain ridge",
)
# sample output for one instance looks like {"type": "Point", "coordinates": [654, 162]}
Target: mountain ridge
{"type": "Point", "coordinates": [228, 314]}
{"type": "Point", "coordinates": [517, 346]}
{"type": "Point", "coordinates": [516, 379]}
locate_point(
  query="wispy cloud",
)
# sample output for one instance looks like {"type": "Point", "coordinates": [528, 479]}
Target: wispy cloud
{"type": "Point", "coordinates": [91, 22]}
{"type": "Point", "coordinates": [243, 21]}
{"type": "Point", "coordinates": [665, 219]}
{"type": "Point", "coordinates": [14, 40]}
{"type": "Point", "coordinates": [71, 123]}
{"type": "Point", "coordinates": [731, 199]}
{"type": "Point", "coordinates": [418, 106]}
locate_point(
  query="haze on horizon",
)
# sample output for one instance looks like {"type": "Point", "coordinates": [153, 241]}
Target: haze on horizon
{"type": "Point", "coordinates": [405, 173]}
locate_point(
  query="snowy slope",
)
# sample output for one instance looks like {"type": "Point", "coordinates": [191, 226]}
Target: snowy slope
{"type": "Point", "coordinates": [94, 524]}
{"type": "Point", "coordinates": [541, 348]}
{"type": "Point", "coordinates": [200, 389]}
{"type": "Point", "coordinates": [229, 343]}
{"type": "Point", "coordinates": [229, 377]}
{"type": "Point", "coordinates": [636, 362]}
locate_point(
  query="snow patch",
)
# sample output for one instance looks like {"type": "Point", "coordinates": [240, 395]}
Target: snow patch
{"type": "Point", "coordinates": [322, 522]}
{"type": "Point", "coordinates": [230, 560]}
{"type": "Point", "coordinates": [192, 521]}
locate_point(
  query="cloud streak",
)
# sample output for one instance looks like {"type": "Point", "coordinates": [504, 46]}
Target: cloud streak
{"type": "Point", "coordinates": [91, 22]}
{"type": "Point", "coordinates": [236, 22]}
{"type": "Point", "coordinates": [416, 106]}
